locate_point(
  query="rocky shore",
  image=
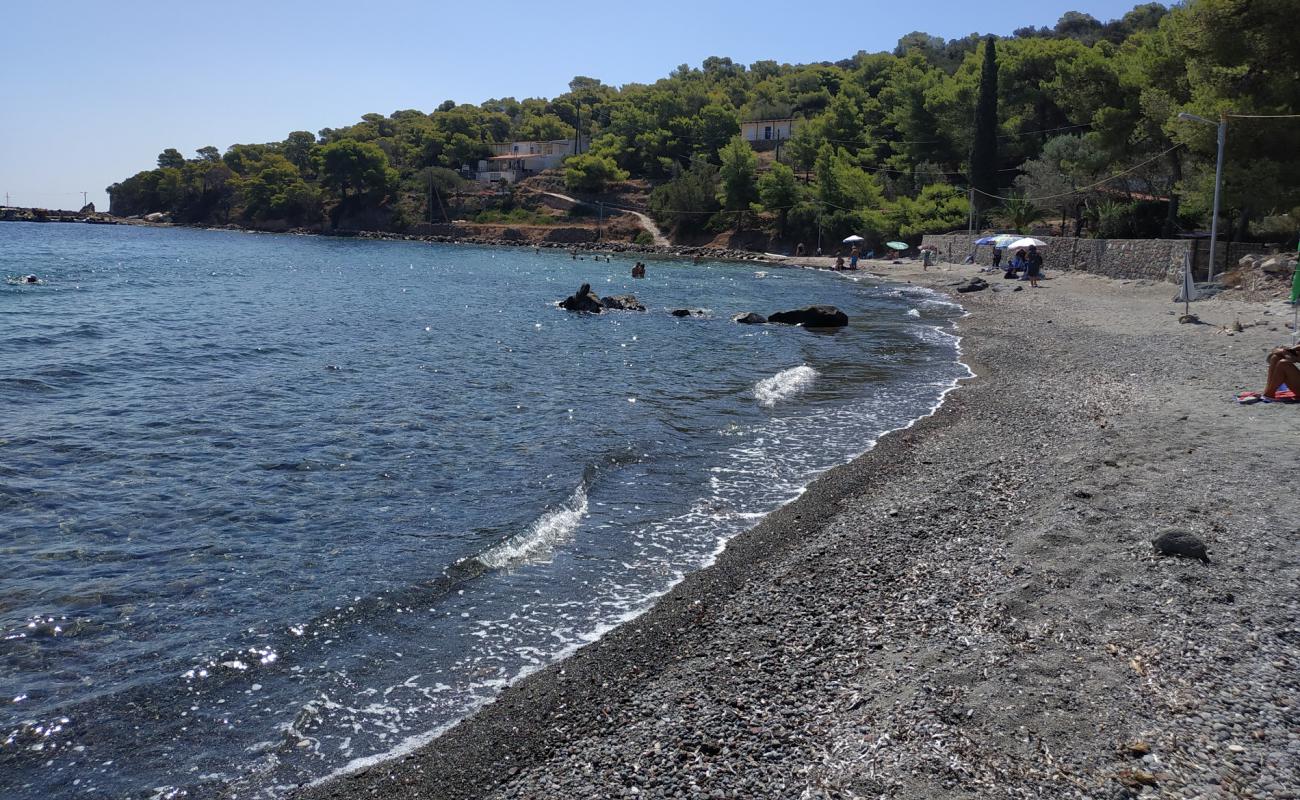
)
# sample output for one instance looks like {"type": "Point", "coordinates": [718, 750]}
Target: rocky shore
{"type": "Point", "coordinates": [972, 609]}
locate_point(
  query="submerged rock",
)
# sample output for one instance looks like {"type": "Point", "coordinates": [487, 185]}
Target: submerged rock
{"type": "Point", "coordinates": [622, 302]}
{"type": "Point", "coordinates": [1181, 544]}
{"type": "Point", "coordinates": [749, 319]}
{"type": "Point", "coordinates": [584, 300]}
{"type": "Point", "coordinates": [812, 317]}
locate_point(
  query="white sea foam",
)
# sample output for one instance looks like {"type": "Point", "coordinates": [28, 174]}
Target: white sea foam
{"type": "Point", "coordinates": [784, 385]}
{"type": "Point", "coordinates": [539, 541]}
{"type": "Point", "coordinates": [913, 313]}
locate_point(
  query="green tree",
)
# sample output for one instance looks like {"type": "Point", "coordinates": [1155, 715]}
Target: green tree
{"type": "Point", "coordinates": [779, 190]}
{"type": "Point", "coordinates": [984, 152]}
{"type": "Point", "coordinates": [685, 202]}
{"type": "Point", "coordinates": [171, 158]}
{"type": "Point", "coordinates": [738, 187]}
{"type": "Point", "coordinates": [208, 153]}
{"type": "Point", "coordinates": [359, 168]}
{"type": "Point", "coordinates": [299, 148]}
{"type": "Point", "coordinates": [590, 172]}
{"type": "Point", "coordinates": [1019, 212]}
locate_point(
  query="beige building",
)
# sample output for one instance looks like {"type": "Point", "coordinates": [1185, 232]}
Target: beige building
{"type": "Point", "coordinates": [766, 133]}
{"type": "Point", "coordinates": [514, 161]}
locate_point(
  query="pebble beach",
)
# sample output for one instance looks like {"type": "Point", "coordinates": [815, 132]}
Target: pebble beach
{"type": "Point", "coordinates": [973, 608]}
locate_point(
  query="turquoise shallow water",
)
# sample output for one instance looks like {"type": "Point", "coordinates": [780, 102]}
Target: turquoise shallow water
{"type": "Point", "coordinates": [275, 504]}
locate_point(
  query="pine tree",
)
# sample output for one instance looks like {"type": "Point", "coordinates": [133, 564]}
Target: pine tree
{"type": "Point", "coordinates": [984, 153]}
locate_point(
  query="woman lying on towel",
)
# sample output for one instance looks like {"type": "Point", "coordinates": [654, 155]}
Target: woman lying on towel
{"type": "Point", "coordinates": [1283, 377]}
{"type": "Point", "coordinates": [1283, 370]}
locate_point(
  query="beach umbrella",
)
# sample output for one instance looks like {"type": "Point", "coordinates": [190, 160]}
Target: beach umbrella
{"type": "Point", "coordinates": [987, 240]}
{"type": "Point", "coordinates": [897, 245]}
{"type": "Point", "coordinates": [1189, 285]}
{"type": "Point", "coordinates": [854, 239]}
{"type": "Point", "coordinates": [1295, 303]}
{"type": "Point", "coordinates": [1004, 240]}
{"type": "Point", "coordinates": [1028, 241]}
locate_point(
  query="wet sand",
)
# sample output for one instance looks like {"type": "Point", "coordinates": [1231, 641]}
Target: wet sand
{"type": "Point", "coordinates": [973, 608]}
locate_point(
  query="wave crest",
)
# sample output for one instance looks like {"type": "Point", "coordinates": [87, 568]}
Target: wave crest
{"type": "Point", "coordinates": [538, 542]}
{"type": "Point", "coordinates": [784, 385]}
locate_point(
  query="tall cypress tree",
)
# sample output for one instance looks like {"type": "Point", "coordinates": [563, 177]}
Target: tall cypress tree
{"type": "Point", "coordinates": [984, 152]}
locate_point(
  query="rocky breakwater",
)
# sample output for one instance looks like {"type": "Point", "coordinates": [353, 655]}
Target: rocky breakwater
{"type": "Point", "coordinates": [812, 317]}
{"type": "Point", "coordinates": [1259, 277]}
{"type": "Point", "coordinates": [585, 301]}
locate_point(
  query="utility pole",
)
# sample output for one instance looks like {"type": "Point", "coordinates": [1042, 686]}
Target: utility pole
{"type": "Point", "coordinates": [83, 199]}
{"type": "Point", "coordinates": [1222, 126]}
{"type": "Point", "coordinates": [600, 220]}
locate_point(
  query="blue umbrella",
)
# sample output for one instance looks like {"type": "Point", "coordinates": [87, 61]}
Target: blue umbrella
{"type": "Point", "coordinates": [987, 240]}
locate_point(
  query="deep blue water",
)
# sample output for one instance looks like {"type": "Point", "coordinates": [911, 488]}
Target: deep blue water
{"type": "Point", "coordinates": [271, 504]}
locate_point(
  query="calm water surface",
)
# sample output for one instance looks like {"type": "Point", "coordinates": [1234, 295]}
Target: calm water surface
{"type": "Point", "coordinates": [271, 506]}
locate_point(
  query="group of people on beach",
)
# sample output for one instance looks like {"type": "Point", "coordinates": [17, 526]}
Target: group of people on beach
{"type": "Point", "coordinates": [1025, 265]}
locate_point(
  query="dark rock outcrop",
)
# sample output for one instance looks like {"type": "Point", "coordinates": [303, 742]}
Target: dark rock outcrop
{"type": "Point", "coordinates": [1182, 544]}
{"type": "Point", "coordinates": [812, 317]}
{"type": "Point", "coordinates": [973, 285]}
{"type": "Point", "coordinates": [749, 319]}
{"type": "Point", "coordinates": [584, 300]}
{"type": "Point", "coordinates": [622, 302]}
{"type": "Point", "coordinates": [687, 312]}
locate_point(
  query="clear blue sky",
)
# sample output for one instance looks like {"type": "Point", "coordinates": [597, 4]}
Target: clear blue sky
{"type": "Point", "coordinates": [93, 91]}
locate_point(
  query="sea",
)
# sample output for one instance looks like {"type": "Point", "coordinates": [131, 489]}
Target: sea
{"type": "Point", "coordinates": [276, 507]}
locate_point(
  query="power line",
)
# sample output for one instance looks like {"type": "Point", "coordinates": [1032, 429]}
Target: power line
{"type": "Point", "coordinates": [1264, 116]}
{"type": "Point", "coordinates": [1083, 189]}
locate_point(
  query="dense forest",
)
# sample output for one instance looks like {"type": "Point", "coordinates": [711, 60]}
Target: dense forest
{"type": "Point", "coordinates": [1075, 125]}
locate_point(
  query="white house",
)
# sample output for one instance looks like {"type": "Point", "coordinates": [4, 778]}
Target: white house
{"type": "Point", "coordinates": [514, 161]}
{"type": "Point", "coordinates": [765, 133]}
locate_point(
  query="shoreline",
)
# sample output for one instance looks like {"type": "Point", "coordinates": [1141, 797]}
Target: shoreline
{"type": "Point", "coordinates": [603, 247]}
{"type": "Point", "coordinates": [972, 606]}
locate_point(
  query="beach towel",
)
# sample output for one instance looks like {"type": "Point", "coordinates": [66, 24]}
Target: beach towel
{"type": "Point", "coordinates": [1284, 394]}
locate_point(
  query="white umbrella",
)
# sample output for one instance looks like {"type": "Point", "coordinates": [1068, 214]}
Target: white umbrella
{"type": "Point", "coordinates": [854, 239]}
{"type": "Point", "coordinates": [1028, 241]}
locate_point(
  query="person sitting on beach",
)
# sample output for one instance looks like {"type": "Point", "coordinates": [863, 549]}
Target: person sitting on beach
{"type": "Point", "coordinates": [839, 262]}
{"type": "Point", "coordinates": [1283, 368]}
{"type": "Point", "coordinates": [1016, 264]}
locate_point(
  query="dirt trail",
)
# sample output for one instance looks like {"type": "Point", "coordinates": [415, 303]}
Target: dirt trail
{"type": "Point", "coordinates": [648, 224]}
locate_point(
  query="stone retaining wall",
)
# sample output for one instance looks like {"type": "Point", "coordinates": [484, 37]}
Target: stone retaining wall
{"type": "Point", "coordinates": [1146, 259]}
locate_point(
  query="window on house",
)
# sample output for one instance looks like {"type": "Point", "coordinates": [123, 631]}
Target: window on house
{"type": "Point", "coordinates": [767, 132]}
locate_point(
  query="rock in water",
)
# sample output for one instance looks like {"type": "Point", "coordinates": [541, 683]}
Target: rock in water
{"type": "Point", "coordinates": [749, 319]}
{"type": "Point", "coordinates": [686, 312]}
{"type": "Point", "coordinates": [812, 317]}
{"type": "Point", "coordinates": [583, 300]}
{"type": "Point", "coordinates": [1182, 544]}
{"type": "Point", "coordinates": [622, 302]}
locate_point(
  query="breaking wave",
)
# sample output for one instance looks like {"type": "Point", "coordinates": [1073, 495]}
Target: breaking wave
{"type": "Point", "coordinates": [784, 385]}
